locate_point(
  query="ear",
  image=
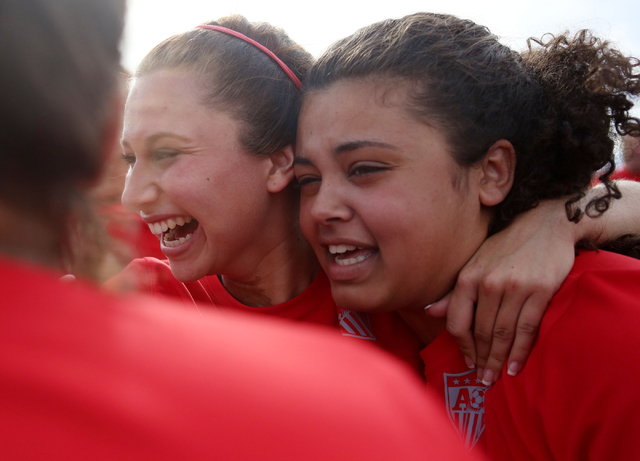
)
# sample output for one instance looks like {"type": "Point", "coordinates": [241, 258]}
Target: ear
{"type": "Point", "coordinates": [281, 169]}
{"type": "Point", "coordinates": [496, 173]}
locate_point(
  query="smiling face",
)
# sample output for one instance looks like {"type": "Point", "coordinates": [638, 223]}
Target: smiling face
{"type": "Point", "coordinates": [379, 200]}
{"type": "Point", "coordinates": [190, 179]}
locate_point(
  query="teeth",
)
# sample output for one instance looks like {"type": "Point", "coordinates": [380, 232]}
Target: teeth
{"type": "Point", "coordinates": [163, 226]}
{"type": "Point", "coordinates": [339, 249]}
{"type": "Point", "coordinates": [175, 243]}
{"type": "Point", "coordinates": [349, 261]}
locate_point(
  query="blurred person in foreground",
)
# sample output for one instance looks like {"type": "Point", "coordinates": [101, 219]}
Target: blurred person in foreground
{"type": "Point", "coordinates": [84, 375]}
{"type": "Point", "coordinates": [106, 236]}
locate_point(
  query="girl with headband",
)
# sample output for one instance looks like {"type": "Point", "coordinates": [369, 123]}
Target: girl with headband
{"type": "Point", "coordinates": [420, 136]}
{"type": "Point", "coordinates": [209, 129]}
{"type": "Point", "coordinates": [85, 375]}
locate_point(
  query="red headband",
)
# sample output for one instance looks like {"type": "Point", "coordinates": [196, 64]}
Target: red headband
{"type": "Point", "coordinates": [266, 50]}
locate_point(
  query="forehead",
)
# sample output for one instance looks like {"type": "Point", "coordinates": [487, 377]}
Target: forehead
{"type": "Point", "coordinates": [354, 98]}
{"type": "Point", "coordinates": [359, 110]}
{"type": "Point", "coordinates": [164, 87]}
{"type": "Point", "coordinates": [172, 101]}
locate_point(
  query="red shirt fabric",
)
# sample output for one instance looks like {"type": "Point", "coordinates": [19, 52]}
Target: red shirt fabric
{"type": "Point", "coordinates": [85, 375]}
{"type": "Point", "coordinates": [624, 173]}
{"type": "Point", "coordinates": [314, 305]}
{"type": "Point", "coordinates": [151, 275]}
{"type": "Point", "coordinates": [577, 397]}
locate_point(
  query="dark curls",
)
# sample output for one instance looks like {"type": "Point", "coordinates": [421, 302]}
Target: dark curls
{"type": "Point", "coordinates": [556, 103]}
{"type": "Point", "coordinates": [241, 79]}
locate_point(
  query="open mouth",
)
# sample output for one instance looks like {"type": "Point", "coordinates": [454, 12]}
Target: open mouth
{"type": "Point", "coordinates": [347, 255]}
{"type": "Point", "coordinates": [175, 231]}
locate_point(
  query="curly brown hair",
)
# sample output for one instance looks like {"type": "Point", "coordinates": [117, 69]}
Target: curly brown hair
{"type": "Point", "coordinates": [556, 103]}
{"type": "Point", "coordinates": [241, 79]}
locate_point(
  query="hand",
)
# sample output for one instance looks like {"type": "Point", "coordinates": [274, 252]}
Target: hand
{"type": "Point", "coordinates": [508, 284]}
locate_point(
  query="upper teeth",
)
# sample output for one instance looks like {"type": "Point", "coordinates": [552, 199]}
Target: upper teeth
{"type": "Point", "coordinates": [162, 226]}
{"type": "Point", "coordinates": [339, 249]}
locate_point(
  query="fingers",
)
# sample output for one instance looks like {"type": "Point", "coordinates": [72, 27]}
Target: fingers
{"type": "Point", "coordinates": [527, 330]}
{"type": "Point", "coordinates": [491, 302]}
{"type": "Point", "coordinates": [496, 327]}
{"type": "Point", "coordinates": [439, 309]}
{"type": "Point", "coordinates": [460, 315]}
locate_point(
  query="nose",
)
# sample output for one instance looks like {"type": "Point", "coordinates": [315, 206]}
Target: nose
{"type": "Point", "coordinates": [141, 189]}
{"type": "Point", "coordinates": [330, 204]}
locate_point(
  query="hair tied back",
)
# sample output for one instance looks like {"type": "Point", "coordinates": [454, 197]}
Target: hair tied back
{"type": "Point", "coordinates": [264, 49]}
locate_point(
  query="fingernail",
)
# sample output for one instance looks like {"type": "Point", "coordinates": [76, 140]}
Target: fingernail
{"type": "Point", "coordinates": [480, 372]}
{"type": "Point", "coordinates": [487, 379]}
{"type": "Point", "coordinates": [514, 368]}
{"type": "Point", "coordinates": [469, 362]}
{"type": "Point", "coordinates": [426, 308]}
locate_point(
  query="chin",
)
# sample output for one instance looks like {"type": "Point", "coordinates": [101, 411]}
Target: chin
{"type": "Point", "coordinates": [361, 300]}
{"type": "Point", "coordinates": [185, 272]}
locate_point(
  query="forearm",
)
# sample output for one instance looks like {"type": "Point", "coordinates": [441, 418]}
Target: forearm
{"type": "Point", "coordinates": [622, 217]}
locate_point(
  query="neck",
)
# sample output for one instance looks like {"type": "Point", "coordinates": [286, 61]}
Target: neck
{"type": "Point", "coordinates": [281, 265]}
{"type": "Point", "coordinates": [29, 237]}
{"type": "Point", "coordinates": [427, 328]}
{"type": "Point", "coordinates": [281, 276]}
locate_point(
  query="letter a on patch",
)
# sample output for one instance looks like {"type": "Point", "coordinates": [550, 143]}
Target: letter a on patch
{"type": "Point", "coordinates": [465, 405]}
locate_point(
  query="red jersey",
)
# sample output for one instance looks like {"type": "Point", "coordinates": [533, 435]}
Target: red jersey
{"type": "Point", "coordinates": [150, 275]}
{"type": "Point", "coordinates": [577, 398]}
{"type": "Point", "coordinates": [313, 305]}
{"type": "Point", "coordinates": [84, 375]}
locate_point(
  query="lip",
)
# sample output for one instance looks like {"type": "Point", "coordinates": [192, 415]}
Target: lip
{"type": "Point", "coordinates": [150, 219]}
{"type": "Point", "coordinates": [352, 272]}
{"type": "Point", "coordinates": [181, 250]}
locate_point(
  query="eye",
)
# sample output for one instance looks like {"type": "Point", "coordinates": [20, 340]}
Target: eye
{"type": "Point", "coordinates": [364, 169]}
{"type": "Point", "coordinates": [162, 154]}
{"type": "Point", "coordinates": [306, 180]}
{"type": "Point", "coordinates": [129, 158]}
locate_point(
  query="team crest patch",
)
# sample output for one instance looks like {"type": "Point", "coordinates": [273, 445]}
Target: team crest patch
{"type": "Point", "coordinates": [465, 405]}
{"type": "Point", "coordinates": [355, 324]}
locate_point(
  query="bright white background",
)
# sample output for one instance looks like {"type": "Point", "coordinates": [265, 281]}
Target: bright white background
{"type": "Point", "coordinates": [316, 24]}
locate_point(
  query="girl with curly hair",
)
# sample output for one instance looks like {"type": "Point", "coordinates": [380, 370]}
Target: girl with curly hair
{"type": "Point", "coordinates": [421, 136]}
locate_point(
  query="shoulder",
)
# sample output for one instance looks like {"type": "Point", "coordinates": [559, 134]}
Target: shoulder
{"type": "Point", "coordinates": [594, 319]}
{"type": "Point", "coordinates": [148, 275]}
{"type": "Point", "coordinates": [125, 375]}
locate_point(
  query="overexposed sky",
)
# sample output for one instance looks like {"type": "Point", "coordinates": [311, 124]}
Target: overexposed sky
{"type": "Point", "coordinates": [316, 24]}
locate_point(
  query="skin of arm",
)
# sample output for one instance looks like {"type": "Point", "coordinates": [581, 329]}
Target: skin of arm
{"type": "Point", "coordinates": [502, 293]}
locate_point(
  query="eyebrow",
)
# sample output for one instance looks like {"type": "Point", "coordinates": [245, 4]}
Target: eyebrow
{"type": "Point", "coordinates": [153, 138]}
{"type": "Point", "coordinates": [355, 145]}
{"type": "Point", "coordinates": [347, 147]}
